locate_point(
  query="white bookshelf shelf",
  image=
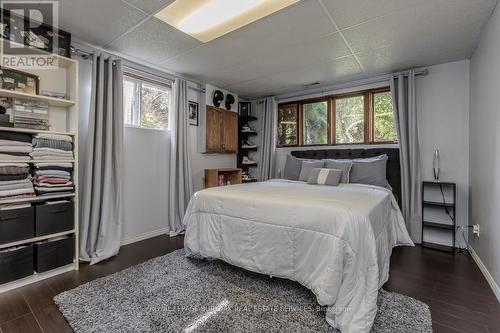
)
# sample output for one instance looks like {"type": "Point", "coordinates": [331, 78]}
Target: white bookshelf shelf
{"type": "Point", "coordinates": [37, 161]}
{"type": "Point", "coordinates": [34, 131]}
{"type": "Point", "coordinates": [37, 239]}
{"type": "Point", "coordinates": [52, 101]}
{"type": "Point", "coordinates": [36, 199]}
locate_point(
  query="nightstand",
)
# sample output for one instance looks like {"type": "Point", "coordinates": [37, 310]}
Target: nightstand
{"type": "Point", "coordinates": [439, 215]}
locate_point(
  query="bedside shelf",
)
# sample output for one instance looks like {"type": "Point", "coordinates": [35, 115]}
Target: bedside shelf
{"type": "Point", "coordinates": [439, 209]}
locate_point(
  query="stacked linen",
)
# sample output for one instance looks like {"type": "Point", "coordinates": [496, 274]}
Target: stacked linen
{"type": "Point", "coordinates": [15, 181]}
{"type": "Point", "coordinates": [15, 146]}
{"type": "Point", "coordinates": [52, 147]}
{"type": "Point", "coordinates": [53, 178]}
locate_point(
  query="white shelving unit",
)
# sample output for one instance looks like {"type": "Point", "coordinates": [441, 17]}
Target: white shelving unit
{"type": "Point", "coordinates": [63, 118]}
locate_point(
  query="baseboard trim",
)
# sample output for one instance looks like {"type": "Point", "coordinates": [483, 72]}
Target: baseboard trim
{"type": "Point", "coordinates": [486, 273]}
{"type": "Point", "coordinates": [146, 235]}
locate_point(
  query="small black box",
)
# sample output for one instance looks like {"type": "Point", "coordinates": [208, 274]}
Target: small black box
{"type": "Point", "coordinates": [54, 218]}
{"type": "Point", "coordinates": [53, 254]}
{"type": "Point", "coordinates": [17, 224]}
{"type": "Point", "coordinates": [16, 264]}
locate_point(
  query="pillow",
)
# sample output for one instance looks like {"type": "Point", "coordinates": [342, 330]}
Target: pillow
{"type": "Point", "coordinates": [344, 165]}
{"type": "Point", "coordinates": [322, 176]}
{"type": "Point", "coordinates": [307, 166]}
{"type": "Point", "coordinates": [369, 171]}
{"type": "Point", "coordinates": [292, 168]}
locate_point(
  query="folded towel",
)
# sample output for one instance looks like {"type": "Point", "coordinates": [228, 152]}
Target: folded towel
{"type": "Point", "coordinates": [14, 170]}
{"type": "Point", "coordinates": [16, 149]}
{"type": "Point", "coordinates": [15, 136]}
{"type": "Point", "coordinates": [49, 143]}
{"type": "Point", "coordinates": [13, 177]}
{"type": "Point", "coordinates": [54, 185]}
{"type": "Point", "coordinates": [52, 173]}
{"type": "Point", "coordinates": [14, 143]}
{"type": "Point", "coordinates": [52, 180]}
{"type": "Point", "coordinates": [54, 137]}
{"type": "Point", "coordinates": [9, 193]}
{"type": "Point", "coordinates": [44, 166]}
{"type": "Point", "coordinates": [53, 189]}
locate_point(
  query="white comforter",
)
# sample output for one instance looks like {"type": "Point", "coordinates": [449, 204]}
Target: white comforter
{"type": "Point", "coordinates": [336, 241]}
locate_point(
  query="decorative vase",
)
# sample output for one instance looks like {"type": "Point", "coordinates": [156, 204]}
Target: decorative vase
{"type": "Point", "coordinates": [436, 164]}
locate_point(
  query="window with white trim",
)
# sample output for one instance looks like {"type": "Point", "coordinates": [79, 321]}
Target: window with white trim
{"type": "Point", "coordinates": [146, 103]}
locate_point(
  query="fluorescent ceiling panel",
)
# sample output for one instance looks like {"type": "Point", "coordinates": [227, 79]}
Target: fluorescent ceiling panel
{"type": "Point", "coordinates": [206, 20]}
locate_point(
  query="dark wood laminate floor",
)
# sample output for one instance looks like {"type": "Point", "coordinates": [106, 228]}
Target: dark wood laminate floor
{"type": "Point", "coordinates": [452, 285]}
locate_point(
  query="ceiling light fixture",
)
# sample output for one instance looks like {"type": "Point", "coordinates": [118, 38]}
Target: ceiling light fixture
{"type": "Point", "coordinates": [206, 20]}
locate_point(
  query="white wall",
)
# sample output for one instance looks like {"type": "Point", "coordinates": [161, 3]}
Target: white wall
{"type": "Point", "coordinates": [443, 122]}
{"type": "Point", "coordinates": [485, 146]}
{"type": "Point", "coordinates": [443, 116]}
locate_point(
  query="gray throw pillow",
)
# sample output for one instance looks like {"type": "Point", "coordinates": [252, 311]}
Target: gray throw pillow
{"type": "Point", "coordinates": [292, 168]}
{"type": "Point", "coordinates": [344, 165]}
{"type": "Point", "coordinates": [307, 166]}
{"type": "Point", "coordinates": [369, 171]}
{"type": "Point", "coordinates": [322, 176]}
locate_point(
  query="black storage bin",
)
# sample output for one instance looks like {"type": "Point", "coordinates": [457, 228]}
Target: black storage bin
{"type": "Point", "coordinates": [16, 264]}
{"type": "Point", "coordinates": [17, 224]}
{"type": "Point", "coordinates": [54, 254]}
{"type": "Point", "coordinates": [51, 219]}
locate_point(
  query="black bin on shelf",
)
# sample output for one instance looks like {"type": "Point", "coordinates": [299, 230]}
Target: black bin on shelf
{"type": "Point", "coordinates": [53, 254]}
{"type": "Point", "coordinates": [17, 224]}
{"type": "Point", "coordinates": [16, 264]}
{"type": "Point", "coordinates": [53, 218]}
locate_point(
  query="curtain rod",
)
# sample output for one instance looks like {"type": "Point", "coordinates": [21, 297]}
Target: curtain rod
{"type": "Point", "coordinates": [328, 89]}
{"type": "Point", "coordinates": [86, 55]}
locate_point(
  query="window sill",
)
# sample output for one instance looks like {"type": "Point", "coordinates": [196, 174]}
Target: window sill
{"type": "Point", "coordinates": [343, 146]}
{"type": "Point", "coordinates": [145, 128]}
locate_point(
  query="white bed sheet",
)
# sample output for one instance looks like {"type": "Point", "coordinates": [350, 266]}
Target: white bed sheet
{"type": "Point", "coordinates": [336, 241]}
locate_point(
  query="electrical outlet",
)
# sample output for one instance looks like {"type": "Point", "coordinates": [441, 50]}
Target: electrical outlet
{"type": "Point", "coordinates": [475, 229]}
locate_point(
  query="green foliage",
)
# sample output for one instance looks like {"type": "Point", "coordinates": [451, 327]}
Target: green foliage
{"type": "Point", "coordinates": [287, 128]}
{"type": "Point", "coordinates": [154, 107]}
{"type": "Point", "coordinates": [349, 120]}
{"type": "Point", "coordinates": [316, 123]}
{"type": "Point", "coordinates": [385, 127]}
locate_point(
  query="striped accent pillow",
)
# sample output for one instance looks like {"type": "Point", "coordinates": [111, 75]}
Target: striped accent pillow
{"type": "Point", "coordinates": [323, 176]}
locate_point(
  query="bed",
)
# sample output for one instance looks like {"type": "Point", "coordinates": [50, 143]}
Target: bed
{"type": "Point", "coordinates": [335, 240]}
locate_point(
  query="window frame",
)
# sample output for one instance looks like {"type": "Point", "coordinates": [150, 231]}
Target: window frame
{"type": "Point", "coordinates": [369, 118]}
{"type": "Point", "coordinates": [144, 79]}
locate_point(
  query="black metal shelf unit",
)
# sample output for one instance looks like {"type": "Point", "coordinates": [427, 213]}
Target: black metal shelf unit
{"type": "Point", "coordinates": [448, 207]}
{"type": "Point", "coordinates": [244, 118]}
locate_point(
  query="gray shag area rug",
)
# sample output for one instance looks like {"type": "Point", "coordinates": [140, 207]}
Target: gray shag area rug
{"type": "Point", "coordinates": [173, 293]}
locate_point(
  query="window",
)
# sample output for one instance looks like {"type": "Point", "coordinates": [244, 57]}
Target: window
{"type": "Point", "coordinates": [145, 103]}
{"type": "Point", "coordinates": [363, 117]}
{"type": "Point", "coordinates": [350, 120]}
{"type": "Point", "coordinates": [384, 123]}
{"type": "Point", "coordinates": [315, 123]}
{"type": "Point", "coordinates": [288, 118]}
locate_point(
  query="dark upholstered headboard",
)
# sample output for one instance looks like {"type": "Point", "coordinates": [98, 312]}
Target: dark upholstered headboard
{"type": "Point", "coordinates": [393, 165]}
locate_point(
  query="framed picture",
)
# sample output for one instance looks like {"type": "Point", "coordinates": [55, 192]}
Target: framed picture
{"type": "Point", "coordinates": [11, 79]}
{"type": "Point", "coordinates": [193, 114]}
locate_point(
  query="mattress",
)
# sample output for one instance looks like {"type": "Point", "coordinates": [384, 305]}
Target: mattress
{"type": "Point", "coordinates": [336, 241]}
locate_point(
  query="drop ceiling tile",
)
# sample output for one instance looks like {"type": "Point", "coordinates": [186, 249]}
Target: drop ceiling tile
{"type": "Point", "coordinates": [96, 21]}
{"type": "Point", "coordinates": [154, 41]}
{"type": "Point", "coordinates": [150, 6]}
{"type": "Point", "coordinates": [352, 12]}
{"type": "Point", "coordinates": [437, 21]}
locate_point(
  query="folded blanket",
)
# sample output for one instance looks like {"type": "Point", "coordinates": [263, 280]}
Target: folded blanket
{"type": "Point", "coordinates": [9, 193]}
{"type": "Point", "coordinates": [51, 185]}
{"type": "Point", "coordinates": [18, 196]}
{"type": "Point", "coordinates": [51, 151]}
{"type": "Point", "coordinates": [52, 173]}
{"type": "Point", "coordinates": [15, 136]}
{"type": "Point", "coordinates": [14, 143]}
{"type": "Point", "coordinates": [49, 143]}
{"type": "Point", "coordinates": [14, 170]}
{"type": "Point", "coordinates": [48, 165]}
{"type": "Point", "coordinates": [16, 149]}
{"type": "Point", "coordinates": [15, 156]}
{"type": "Point", "coordinates": [53, 189]}
{"type": "Point", "coordinates": [12, 182]}
{"type": "Point", "coordinates": [16, 185]}
{"type": "Point", "coordinates": [53, 180]}
{"type": "Point", "coordinates": [52, 158]}
{"type": "Point", "coordinates": [13, 177]}
{"type": "Point", "coordinates": [53, 167]}
{"type": "Point", "coordinates": [58, 137]}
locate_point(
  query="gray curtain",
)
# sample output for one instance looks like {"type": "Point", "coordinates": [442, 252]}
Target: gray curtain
{"type": "Point", "coordinates": [267, 156]}
{"type": "Point", "coordinates": [101, 213]}
{"type": "Point", "coordinates": [405, 109]}
{"type": "Point", "coordinates": [180, 179]}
